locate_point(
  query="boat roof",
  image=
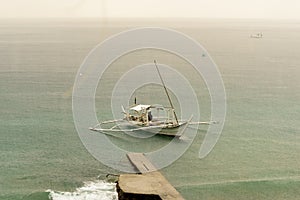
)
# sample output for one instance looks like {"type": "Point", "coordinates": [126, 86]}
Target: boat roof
{"type": "Point", "coordinates": [140, 107]}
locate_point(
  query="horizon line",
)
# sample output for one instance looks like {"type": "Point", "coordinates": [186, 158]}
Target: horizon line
{"type": "Point", "coordinates": [154, 19]}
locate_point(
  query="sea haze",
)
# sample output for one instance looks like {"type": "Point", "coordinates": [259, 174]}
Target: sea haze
{"type": "Point", "coordinates": [256, 157]}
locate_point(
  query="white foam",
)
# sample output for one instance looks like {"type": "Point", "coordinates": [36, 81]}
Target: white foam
{"type": "Point", "coordinates": [91, 191]}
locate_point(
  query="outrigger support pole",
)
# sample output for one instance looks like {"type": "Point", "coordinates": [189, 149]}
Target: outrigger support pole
{"type": "Point", "coordinates": [163, 83]}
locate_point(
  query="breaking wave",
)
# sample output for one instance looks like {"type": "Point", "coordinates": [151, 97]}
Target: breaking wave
{"type": "Point", "coordinates": [91, 190]}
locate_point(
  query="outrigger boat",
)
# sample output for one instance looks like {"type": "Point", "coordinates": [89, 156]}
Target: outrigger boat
{"type": "Point", "coordinates": [142, 117]}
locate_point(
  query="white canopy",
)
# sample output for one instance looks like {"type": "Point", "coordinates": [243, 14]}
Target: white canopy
{"type": "Point", "coordinates": [140, 107]}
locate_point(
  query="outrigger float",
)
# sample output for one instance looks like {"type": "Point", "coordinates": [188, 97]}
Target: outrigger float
{"type": "Point", "coordinates": [142, 117]}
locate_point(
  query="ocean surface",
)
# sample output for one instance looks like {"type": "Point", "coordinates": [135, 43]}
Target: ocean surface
{"type": "Point", "coordinates": [256, 157]}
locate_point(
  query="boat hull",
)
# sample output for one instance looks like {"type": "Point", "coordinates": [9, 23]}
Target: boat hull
{"type": "Point", "coordinates": [148, 131]}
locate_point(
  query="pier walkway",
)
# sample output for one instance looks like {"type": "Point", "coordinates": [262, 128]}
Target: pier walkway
{"type": "Point", "coordinates": [150, 184]}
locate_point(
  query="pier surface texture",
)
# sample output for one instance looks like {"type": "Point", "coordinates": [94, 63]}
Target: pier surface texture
{"type": "Point", "coordinates": [150, 184]}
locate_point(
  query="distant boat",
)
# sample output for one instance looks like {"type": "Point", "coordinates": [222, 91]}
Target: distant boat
{"type": "Point", "coordinates": [258, 35]}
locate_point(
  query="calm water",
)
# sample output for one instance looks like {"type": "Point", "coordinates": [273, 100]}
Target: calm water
{"type": "Point", "coordinates": [257, 156]}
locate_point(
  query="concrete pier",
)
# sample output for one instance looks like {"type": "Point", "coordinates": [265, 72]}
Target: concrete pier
{"type": "Point", "coordinates": [141, 163]}
{"type": "Point", "coordinates": [150, 184]}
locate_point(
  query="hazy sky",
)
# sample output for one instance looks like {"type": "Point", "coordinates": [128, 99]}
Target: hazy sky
{"type": "Point", "coordinates": [151, 8]}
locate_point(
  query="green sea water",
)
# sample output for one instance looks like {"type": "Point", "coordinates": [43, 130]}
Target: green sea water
{"type": "Point", "coordinates": [256, 157]}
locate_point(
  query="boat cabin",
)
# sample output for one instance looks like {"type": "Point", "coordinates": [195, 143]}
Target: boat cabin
{"type": "Point", "coordinates": [143, 115]}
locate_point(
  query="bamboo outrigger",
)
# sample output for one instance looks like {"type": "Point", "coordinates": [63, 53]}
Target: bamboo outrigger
{"type": "Point", "coordinates": [142, 117]}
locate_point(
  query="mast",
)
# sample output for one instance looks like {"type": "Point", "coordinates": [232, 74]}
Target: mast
{"type": "Point", "coordinates": [163, 83]}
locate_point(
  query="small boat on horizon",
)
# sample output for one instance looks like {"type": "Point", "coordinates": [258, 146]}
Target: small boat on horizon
{"type": "Point", "coordinates": [258, 35]}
